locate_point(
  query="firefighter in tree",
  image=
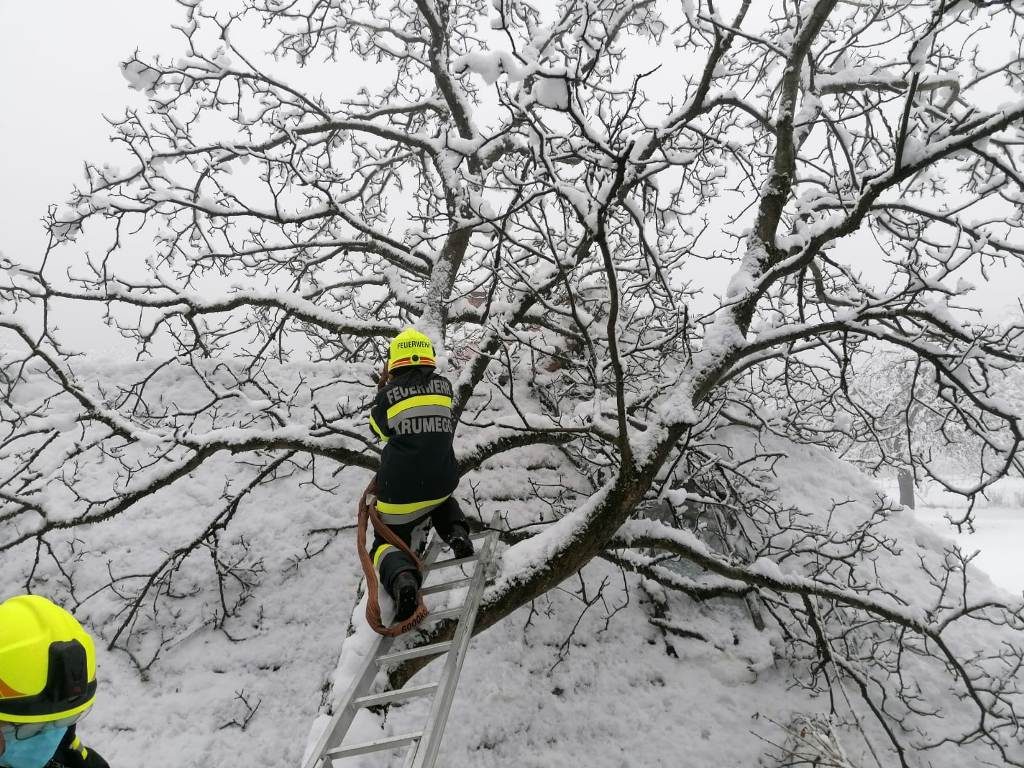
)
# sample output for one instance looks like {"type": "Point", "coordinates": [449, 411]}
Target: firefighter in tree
{"type": "Point", "coordinates": [412, 414]}
{"type": "Point", "coordinates": [47, 683]}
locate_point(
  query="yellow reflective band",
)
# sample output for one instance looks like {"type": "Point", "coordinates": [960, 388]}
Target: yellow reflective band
{"type": "Point", "coordinates": [77, 743]}
{"type": "Point", "coordinates": [417, 401]}
{"type": "Point", "coordinates": [406, 362]}
{"type": "Point", "coordinates": [375, 428]}
{"type": "Point", "coordinates": [7, 717]}
{"type": "Point", "coordinates": [379, 554]}
{"type": "Point", "coordinates": [386, 508]}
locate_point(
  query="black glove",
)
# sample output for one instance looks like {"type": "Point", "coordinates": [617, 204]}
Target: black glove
{"type": "Point", "coordinates": [73, 754]}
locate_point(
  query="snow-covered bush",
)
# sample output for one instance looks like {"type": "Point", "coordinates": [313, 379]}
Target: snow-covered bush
{"type": "Point", "coordinates": [812, 742]}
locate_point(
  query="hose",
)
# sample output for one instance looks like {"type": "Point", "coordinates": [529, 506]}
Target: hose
{"type": "Point", "coordinates": [367, 514]}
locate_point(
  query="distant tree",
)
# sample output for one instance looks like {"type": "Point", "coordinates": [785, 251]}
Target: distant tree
{"type": "Point", "coordinates": [628, 225]}
{"type": "Point", "coordinates": [895, 416]}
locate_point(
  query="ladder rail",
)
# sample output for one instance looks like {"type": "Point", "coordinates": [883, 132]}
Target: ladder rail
{"type": "Point", "coordinates": [430, 743]}
{"type": "Point", "coordinates": [425, 744]}
{"type": "Point", "coordinates": [345, 710]}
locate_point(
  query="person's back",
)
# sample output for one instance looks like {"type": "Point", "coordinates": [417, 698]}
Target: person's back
{"type": "Point", "coordinates": [418, 473]}
{"type": "Point", "coordinates": [413, 413]}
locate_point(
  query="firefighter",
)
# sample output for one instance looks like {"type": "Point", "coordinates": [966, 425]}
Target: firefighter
{"type": "Point", "coordinates": [412, 414]}
{"type": "Point", "coordinates": [47, 683]}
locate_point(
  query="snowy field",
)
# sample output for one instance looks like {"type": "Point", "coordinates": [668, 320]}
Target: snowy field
{"type": "Point", "coordinates": [619, 698]}
{"type": "Point", "coordinates": [999, 529]}
{"type": "Point", "coordinates": [615, 693]}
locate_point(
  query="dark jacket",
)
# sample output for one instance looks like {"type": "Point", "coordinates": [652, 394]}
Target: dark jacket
{"type": "Point", "coordinates": [413, 414]}
{"type": "Point", "coordinates": [73, 754]}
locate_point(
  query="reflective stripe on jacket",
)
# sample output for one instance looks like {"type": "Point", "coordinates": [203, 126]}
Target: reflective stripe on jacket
{"type": "Point", "coordinates": [413, 415]}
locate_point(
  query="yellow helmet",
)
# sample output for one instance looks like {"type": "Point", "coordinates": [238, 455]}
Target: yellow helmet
{"type": "Point", "coordinates": [410, 347]}
{"type": "Point", "coordinates": [47, 662]}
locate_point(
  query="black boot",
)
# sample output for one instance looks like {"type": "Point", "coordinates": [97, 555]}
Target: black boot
{"type": "Point", "coordinates": [460, 542]}
{"type": "Point", "coordinates": [403, 591]}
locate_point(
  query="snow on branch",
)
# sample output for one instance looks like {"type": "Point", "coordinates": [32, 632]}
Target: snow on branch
{"type": "Point", "coordinates": [630, 228]}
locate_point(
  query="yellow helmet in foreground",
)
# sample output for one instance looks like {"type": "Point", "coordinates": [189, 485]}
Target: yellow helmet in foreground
{"type": "Point", "coordinates": [47, 662]}
{"type": "Point", "coordinates": [410, 347]}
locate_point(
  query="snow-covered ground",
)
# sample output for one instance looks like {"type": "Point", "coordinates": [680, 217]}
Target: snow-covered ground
{"type": "Point", "coordinates": [998, 534]}
{"type": "Point", "coordinates": [620, 697]}
{"type": "Point", "coordinates": [615, 693]}
{"type": "Point", "coordinates": [611, 696]}
{"type": "Point", "coordinates": [247, 693]}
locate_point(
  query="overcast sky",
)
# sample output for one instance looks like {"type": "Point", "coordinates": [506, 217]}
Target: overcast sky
{"type": "Point", "coordinates": [60, 63]}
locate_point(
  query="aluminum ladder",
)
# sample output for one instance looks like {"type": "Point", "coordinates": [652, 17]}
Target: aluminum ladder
{"type": "Point", "coordinates": [424, 743]}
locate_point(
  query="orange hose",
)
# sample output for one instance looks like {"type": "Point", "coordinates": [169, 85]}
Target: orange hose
{"type": "Point", "coordinates": [368, 513]}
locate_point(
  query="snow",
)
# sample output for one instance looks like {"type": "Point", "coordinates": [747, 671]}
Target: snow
{"type": "Point", "coordinates": [999, 528]}
{"type": "Point", "coordinates": [552, 92]}
{"type": "Point", "coordinates": [513, 709]}
{"type": "Point", "coordinates": [622, 691]}
{"type": "Point", "coordinates": [713, 699]}
{"type": "Point", "coordinates": [918, 55]}
{"type": "Point", "coordinates": [740, 284]}
{"type": "Point", "coordinates": [184, 705]}
{"type": "Point", "coordinates": [491, 65]}
{"type": "Point", "coordinates": [140, 76]}
{"type": "Point", "coordinates": [690, 11]}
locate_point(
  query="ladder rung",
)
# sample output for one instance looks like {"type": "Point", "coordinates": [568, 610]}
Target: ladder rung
{"type": "Point", "coordinates": [415, 653]}
{"type": "Point", "coordinates": [450, 563]}
{"type": "Point", "coordinates": [447, 613]}
{"type": "Point", "coordinates": [374, 746]}
{"type": "Point", "coordinates": [444, 586]}
{"type": "Point", "coordinates": [398, 694]}
{"type": "Point", "coordinates": [417, 748]}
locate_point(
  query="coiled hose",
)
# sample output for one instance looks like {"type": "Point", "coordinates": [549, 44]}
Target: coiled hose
{"type": "Point", "coordinates": [368, 514]}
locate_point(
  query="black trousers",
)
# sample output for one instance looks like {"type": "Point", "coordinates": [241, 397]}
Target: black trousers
{"type": "Point", "coordinates": [446, 517]}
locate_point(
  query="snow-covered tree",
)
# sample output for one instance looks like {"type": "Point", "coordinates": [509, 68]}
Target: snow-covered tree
{"type": "Point", "coordinates": [654, 242]}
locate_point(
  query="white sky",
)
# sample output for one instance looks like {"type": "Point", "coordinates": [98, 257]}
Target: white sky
{"type": "Point", "coordinates": [60, 61]}
{"type": "Point", "coordinates": [61, 64]}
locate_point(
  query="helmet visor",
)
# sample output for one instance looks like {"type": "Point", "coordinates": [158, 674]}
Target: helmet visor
{"type": "Point", "coordinates": [26, 731]}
